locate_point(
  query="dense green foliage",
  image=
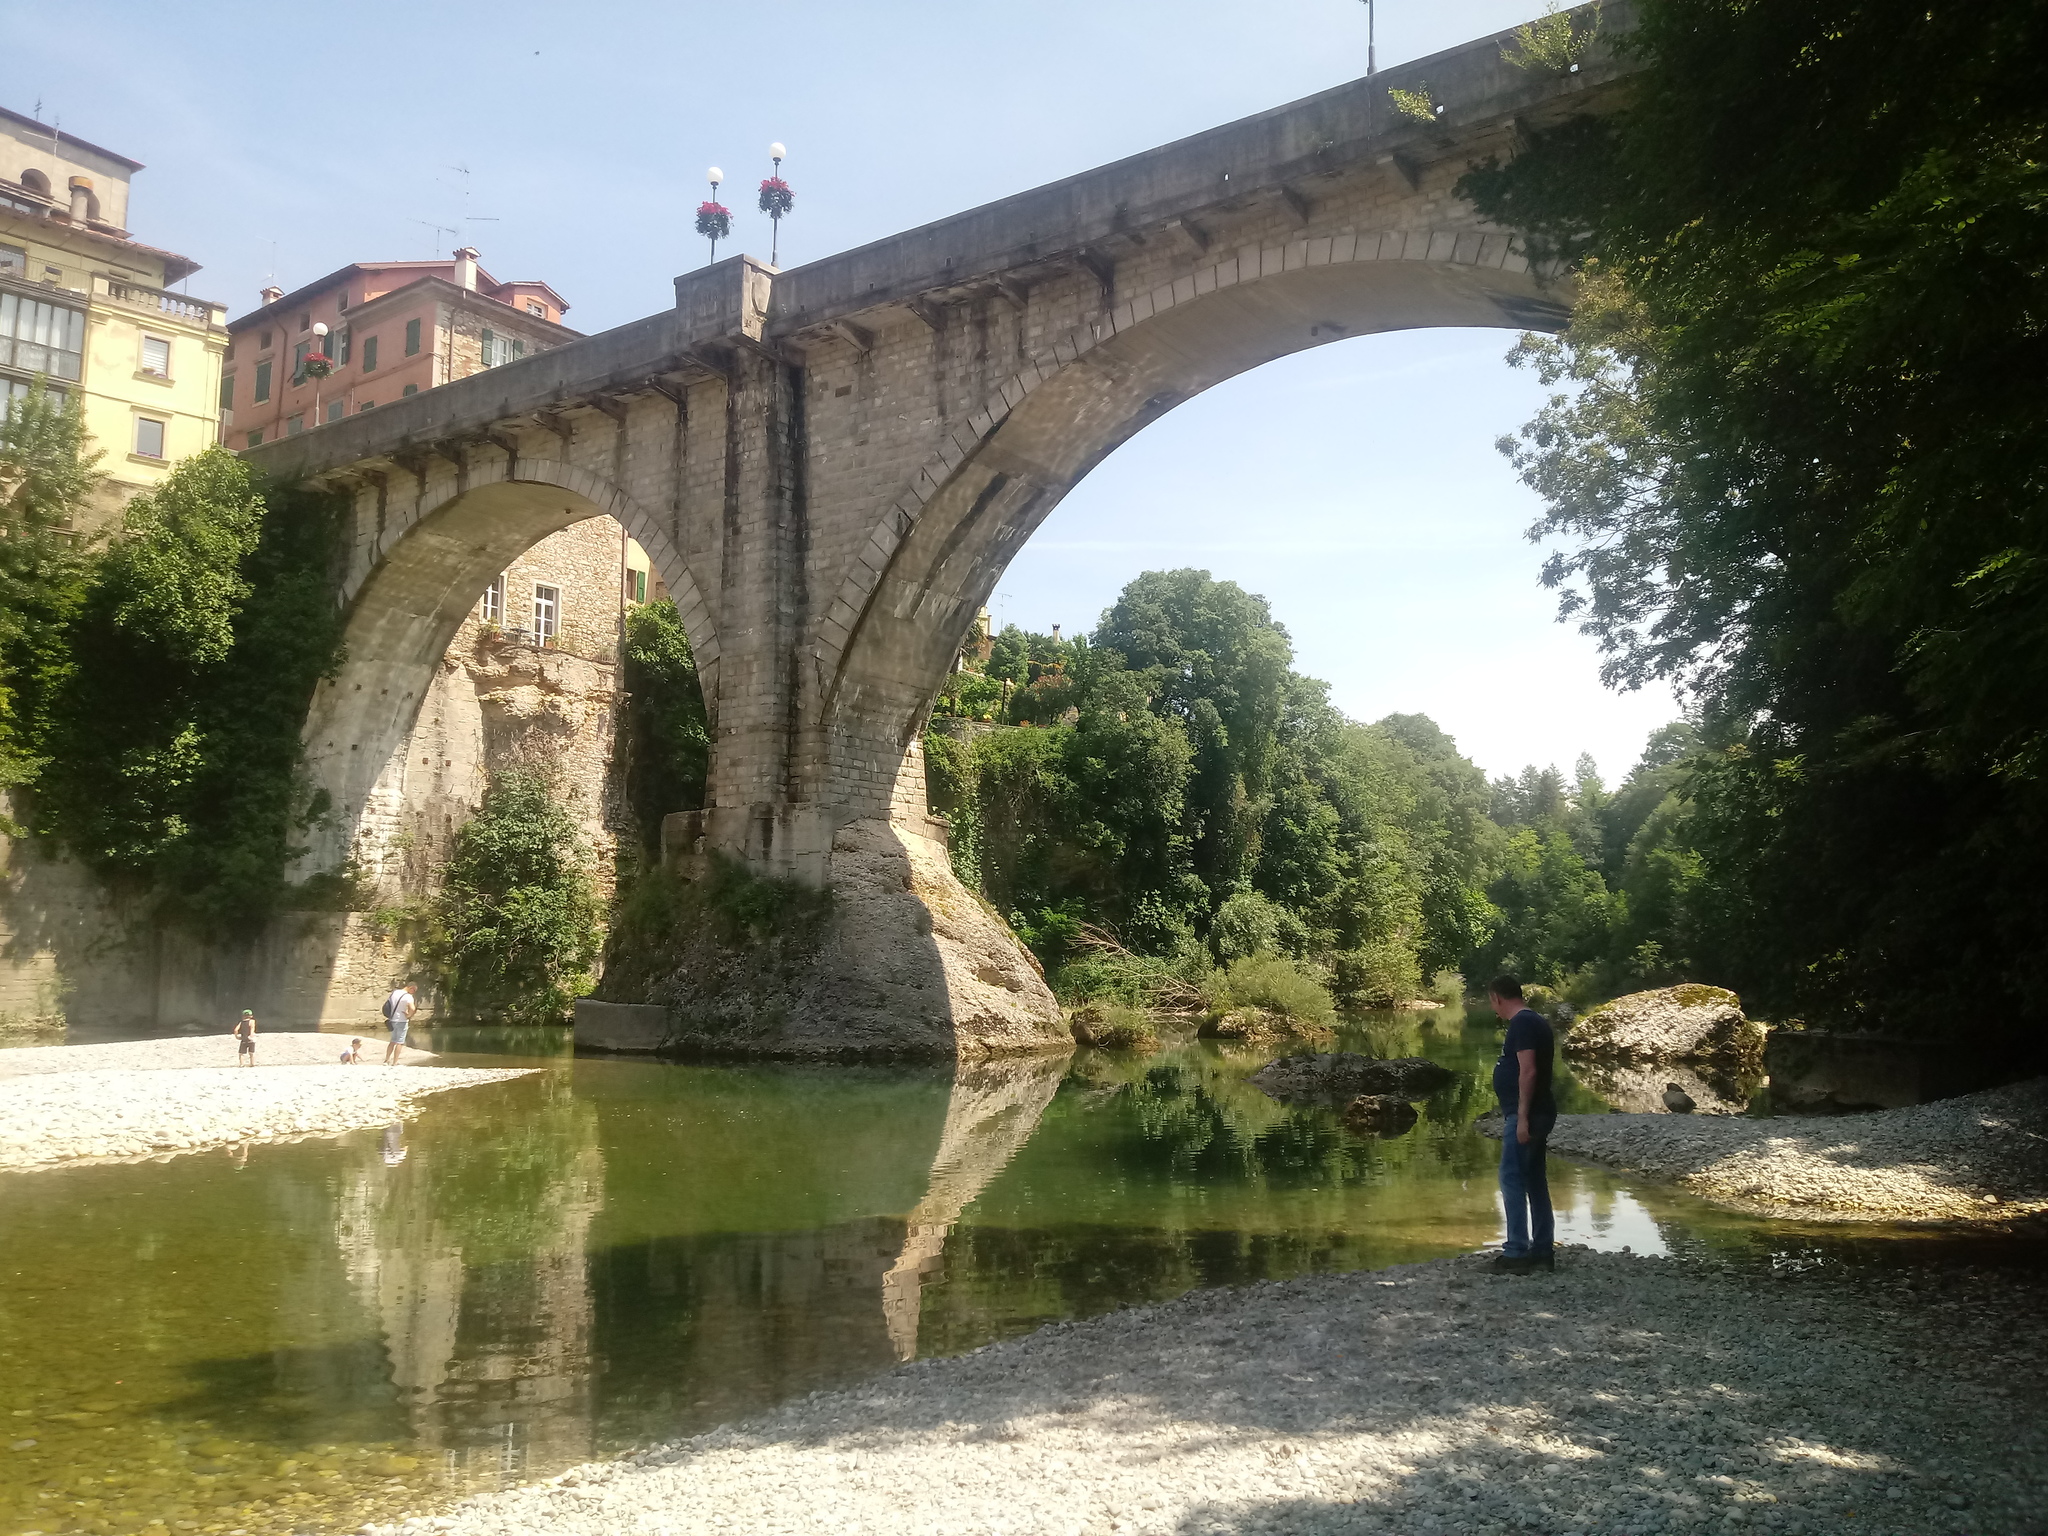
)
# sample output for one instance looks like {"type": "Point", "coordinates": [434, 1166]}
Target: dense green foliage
{"type": "Point", "coordinates": [152, 691]}
{"type": "Point", "coordinates": [1163, 822]}
{"type": "Point", "coordinates": [46, 481]}
{"type": "Point", "coordinates": [515, 929]}
{"type": "Point", "coordinates": [667, 748]}
{"type": "Point", "coordinates": [1796, 465]}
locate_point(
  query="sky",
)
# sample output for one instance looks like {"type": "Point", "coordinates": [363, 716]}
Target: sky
{"type": "Point", "coordinates": [1356, 487]}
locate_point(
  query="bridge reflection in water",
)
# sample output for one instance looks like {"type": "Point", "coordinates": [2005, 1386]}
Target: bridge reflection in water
{"type": "Point", "coordinates": [612, 1252]}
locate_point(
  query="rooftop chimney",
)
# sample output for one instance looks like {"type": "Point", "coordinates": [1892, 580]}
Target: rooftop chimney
{"type": "Point", "coordinates": [465, 268]}
{"type": "Point", "coordinates": [81, 198]}
{"type": "Point", "coordinates": [1055, 634]}
{"type": "Point", "coordinates": [272, 294]}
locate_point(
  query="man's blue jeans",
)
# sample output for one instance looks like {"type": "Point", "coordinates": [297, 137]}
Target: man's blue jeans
{"type": "Point", "coordinates": [1525, 1188]}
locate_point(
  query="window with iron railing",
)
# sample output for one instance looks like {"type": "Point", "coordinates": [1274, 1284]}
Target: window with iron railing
{"type": "Point", "coordinates": [494, 601]}
{"type": "Point", "coordinates": [547, 614]}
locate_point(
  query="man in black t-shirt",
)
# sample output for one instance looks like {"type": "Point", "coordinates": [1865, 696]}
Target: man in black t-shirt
{"type": "Point", "coordinates": [1521, 1081]}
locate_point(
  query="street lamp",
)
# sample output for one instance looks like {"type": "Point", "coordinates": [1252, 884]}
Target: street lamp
{"type": "Point", "coordinates": [324, 367]}
{"type": "Point", "coordinates": [776, 200]}
{"type": "Point", "coordinates": [714, 220]}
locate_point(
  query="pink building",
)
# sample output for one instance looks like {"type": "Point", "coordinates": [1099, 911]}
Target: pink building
{"type": "Point", "coordinates": [394, 328]}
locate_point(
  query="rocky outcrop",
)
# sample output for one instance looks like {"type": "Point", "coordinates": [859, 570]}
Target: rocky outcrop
{"type": "Point", "coordinates": [1346, 1074]}
{"type": "Point", "coordinates": [1684, 1023]}
{"type": "Point", "coordinates": [1379, 1114]}
{"type": "Point", "coordinates": [902, 961]}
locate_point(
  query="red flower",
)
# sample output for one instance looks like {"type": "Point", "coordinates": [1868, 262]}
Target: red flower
{"type": "Point", "coordinates": [776, 198]}
{"type": "Point", "coordinates": [714, 221]}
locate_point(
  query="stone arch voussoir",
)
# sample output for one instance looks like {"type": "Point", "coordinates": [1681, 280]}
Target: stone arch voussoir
{"type": "Point", "coordinates": [843, 616]}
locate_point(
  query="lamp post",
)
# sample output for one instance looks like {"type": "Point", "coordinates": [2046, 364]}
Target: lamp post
{"type": "Point", "coordinates": [319, 351]}
{"type": "Point", "coordinates": [776, 200]}
{"type": "Point", "coordinates": [1371, 61]}
{"type": "Point", "coordinates": [714, 221]}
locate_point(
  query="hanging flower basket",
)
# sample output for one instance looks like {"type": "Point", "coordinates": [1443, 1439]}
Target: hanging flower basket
{"type": "Point", "coordinates": [317, 365]}
{"type": "Point", "coordinates": [776, 198]}
{"type": "Point", "coordinates": [714, 221]}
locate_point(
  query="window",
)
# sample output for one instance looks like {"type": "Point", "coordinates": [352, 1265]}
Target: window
{"type": "Point", "coordinates": [636, 585]}
{"type": "Point", "coordinates": [299, 355]}
{"type": "Point", "coordinates": [15, 389]}
{"type": "Point", "coordinates": [367, 405]}
{"type": "Point", "coordinates": [410, 389]}
{"type": "Point", "coordinates": [412, 337]}
{"type": "Point", "coordinates": [341, 303]}
{"type": "Point", "coordinates": [295, 426]}
{"type": "Point", "coordinates": [306, 320]}
{"type": "Point", "coordinates": [227, 391]}
{"type": "Point", "coordinates": [41, 338]}
{"type": "Point", "coordinates": [547, 613]}
{"type": "Point", "coordinates": [262, 381]}
{"type": "Point", "coordinates": [263, 343]}
{"type": "Point", "coordinates": [500, 349]}
{"type": "Point", "coordinates": [255, 439]}
{"type": "Point", "coordinates": [494, 601]}
{"type": "Point", "coordinates": [369, 354]}
{"type": "Point", "coordinates": [156, 357]}
{"type": "Point", "coordinates": [535, 307]}
{"type": "Point", "coordinates": [338, 345]}
{"type": "Point", "coordinates": [335, 408]}
{"type": "Point", "coordinates": [149, 437]}
{"type": "Point", "coordinates": [13, 259]}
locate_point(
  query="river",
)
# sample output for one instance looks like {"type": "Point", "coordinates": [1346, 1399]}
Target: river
{"type": "Point", "coordinates": [302, 1336]}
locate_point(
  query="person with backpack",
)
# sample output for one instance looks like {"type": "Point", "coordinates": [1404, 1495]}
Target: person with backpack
{"type": "Point", "coordinates": [245, 1039]}
{"type": "Point", "coordinates": [398, 1010]}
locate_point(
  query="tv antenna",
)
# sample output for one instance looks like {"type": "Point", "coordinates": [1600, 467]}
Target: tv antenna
{"type": "Point", "coordinates": [439, 230]}
{"type": "Point", "coordinates": [468, 218]}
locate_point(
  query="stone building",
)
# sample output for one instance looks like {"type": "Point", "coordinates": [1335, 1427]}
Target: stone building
{"type": "Point", "coordinates": [87, 308]}
{"type": "Point", "coordinates": [388, 329]}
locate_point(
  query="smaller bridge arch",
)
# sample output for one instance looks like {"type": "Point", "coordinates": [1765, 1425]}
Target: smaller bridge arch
{"type": "Point", "coordinates": [407, 591]}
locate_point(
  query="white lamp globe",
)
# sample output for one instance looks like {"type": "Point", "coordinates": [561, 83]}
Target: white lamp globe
{"type": "Point", "coordinates": [777, 152]}
{"type": "Point", "coordinates": [319, 327]}
{"type": "Point", "coordinates": [714, 175]}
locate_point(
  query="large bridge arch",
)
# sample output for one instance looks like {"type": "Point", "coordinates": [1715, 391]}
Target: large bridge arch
{"type": "Point", "coordinates": [885, 643]}
{"type": "Point", "coordinates": [407, 593]}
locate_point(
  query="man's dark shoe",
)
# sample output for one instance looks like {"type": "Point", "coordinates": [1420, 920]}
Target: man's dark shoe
{"type": "Point", "coordinates": [1525, 1264]}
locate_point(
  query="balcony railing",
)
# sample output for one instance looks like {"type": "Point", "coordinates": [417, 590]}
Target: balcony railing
{"type": "Point", "coordinates": [175, 306]}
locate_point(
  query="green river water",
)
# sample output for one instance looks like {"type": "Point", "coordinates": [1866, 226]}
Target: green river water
{"type": "Point", "coordinates": [303, 1336]}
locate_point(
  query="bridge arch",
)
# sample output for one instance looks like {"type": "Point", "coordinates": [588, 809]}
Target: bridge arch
{"type": "Point", "coordinates": [883, 647]}
{"type": "Point", "coordinates": [407, 593]}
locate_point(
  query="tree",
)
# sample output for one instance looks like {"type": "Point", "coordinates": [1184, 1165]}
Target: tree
{"type": "Point", "coordinates": [514, 932]}
{"type": "Point", "coordinates": [668, 738]}
{"type": "Point", "coordinates": [1795, 464]}
{"type": "Point", "coordinates": [46, 483]}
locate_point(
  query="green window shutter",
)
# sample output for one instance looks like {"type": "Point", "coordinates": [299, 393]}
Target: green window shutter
{"type": "Point", "coordinates": [412, 337]}
{"type": "Point", "coordinates": [518, 349]}
{"type": "Point", "coordinates": [369, 354]}
{"type": "Point", "coordinates": [410, 389]}
{"type": "Point", "coordinates": [262, 382]}
{"type": "Point", "coordinates": [227, 391]}
{"type": "Point", "coordinates": [490, 349]}
{"type": "Point", "coordinates": [255, 439]}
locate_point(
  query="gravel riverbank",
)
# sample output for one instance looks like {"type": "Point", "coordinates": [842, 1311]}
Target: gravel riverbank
{"type": "Point", "coordinates": [122, 1103]}
{"type": "Point", "coordinates": [1619, 1395]}
{"type": "Point", "coordinates": [280, 1048]}
{"type": "Point", "coordinates": [1979, 1158]}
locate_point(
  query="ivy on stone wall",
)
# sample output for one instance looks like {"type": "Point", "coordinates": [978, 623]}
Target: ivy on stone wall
{"type": "Point", "coordinates": [172, 722]}
{"type": "Point", "coordinates": [667, 747]}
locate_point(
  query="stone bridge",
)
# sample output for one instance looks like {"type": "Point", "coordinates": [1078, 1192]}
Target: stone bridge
{"type": "Point", "coordinates": [831, 466]}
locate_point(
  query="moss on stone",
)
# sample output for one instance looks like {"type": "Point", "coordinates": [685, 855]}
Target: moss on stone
{"type": "Point", "coordinates": [1693, 994]}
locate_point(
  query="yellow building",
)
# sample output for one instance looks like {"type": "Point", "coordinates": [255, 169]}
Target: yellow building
{"type": "Point", "coordinates": [88, 308]}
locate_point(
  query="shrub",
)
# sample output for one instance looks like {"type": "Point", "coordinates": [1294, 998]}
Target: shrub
{"type": "Point", "coordinates": [667, 737]}
{"type": "Point", "coordinates": [1277, 985]}
{"type": "Point", "coordinates": [514, 931]}
{"type": "Point", "coordinates": [1113, 1027]}
{"type": "Point", "coordinates": [1380, 973]}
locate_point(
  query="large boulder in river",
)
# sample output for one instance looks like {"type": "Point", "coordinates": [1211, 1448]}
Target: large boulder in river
{"type": "Point", "coordinates": [1346, 1074]}
{"type": "Point", "coordinates": [1683, 1023]}
{"type": "Point", "coordinates": [1640, 1090]}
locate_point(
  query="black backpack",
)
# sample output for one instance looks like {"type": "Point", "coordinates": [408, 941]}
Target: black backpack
{"type": "Point", "coordinates": [387, 1009]}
